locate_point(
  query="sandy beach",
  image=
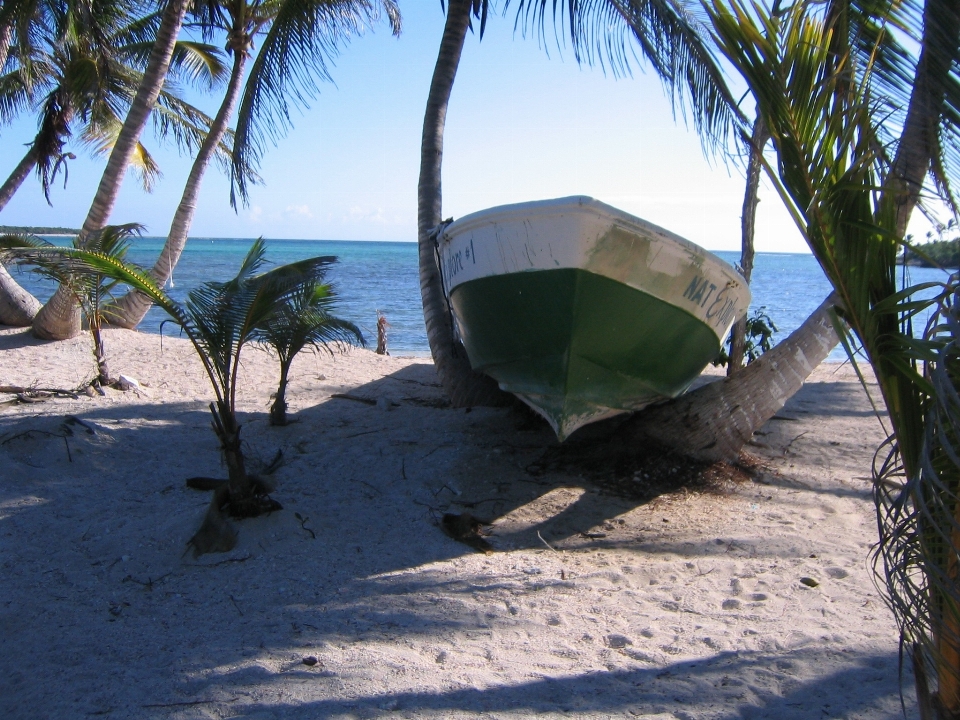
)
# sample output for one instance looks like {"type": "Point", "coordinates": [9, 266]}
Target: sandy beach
{"type": "Point", "coordinates": [595, 604]}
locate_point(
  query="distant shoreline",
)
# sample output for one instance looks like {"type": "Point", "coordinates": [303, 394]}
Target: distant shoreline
{"type": "Point", "coordinates": [41, 230]}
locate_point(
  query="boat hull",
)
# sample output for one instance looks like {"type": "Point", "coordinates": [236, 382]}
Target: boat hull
{"type": "Point", "coordinates": [582, 311]}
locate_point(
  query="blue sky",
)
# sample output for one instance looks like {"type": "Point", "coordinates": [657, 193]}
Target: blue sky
{"type": "Point", "coordinates": [525, 123]}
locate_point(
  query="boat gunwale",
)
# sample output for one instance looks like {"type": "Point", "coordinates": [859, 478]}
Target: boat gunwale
{"type": "Point", "coordinates": [582, 203]}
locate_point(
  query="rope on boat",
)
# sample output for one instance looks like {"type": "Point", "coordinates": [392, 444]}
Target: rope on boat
{"type": "Point", "coordinates": [435, 234]}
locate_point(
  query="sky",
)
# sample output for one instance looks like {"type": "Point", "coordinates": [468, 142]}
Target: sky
{"type": "Point", "coordinates": [525, 122]}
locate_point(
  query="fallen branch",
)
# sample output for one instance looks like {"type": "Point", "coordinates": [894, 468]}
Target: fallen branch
{"type": "Point", "coordinates": [20, 390]}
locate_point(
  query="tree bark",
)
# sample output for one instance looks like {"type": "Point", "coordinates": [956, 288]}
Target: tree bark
{"type": "Point", "coordinates": [278, 411]}
{"type": "Point", "coordinates": [17, 306]}
{"type": "Point", "coordinates": [6, 37]}
{"type": "Point", "coordinates": [463, 386]}
{"type": "Point", "coordinates": [19, 174]}
{"type": "Point", "coordinates": [60, 317]}
{"type": "Point", "coordinates": [714, 422]}
{"type": "Point", "coordinates": [130, 309]}
{"type": "Point", "coordinates": [748, 219]}
{"type": "Point", "coordinates": [920, 140]}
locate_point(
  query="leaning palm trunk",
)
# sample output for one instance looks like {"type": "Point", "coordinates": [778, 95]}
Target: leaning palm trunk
{"type": "Point", "coordinates": [463, 386]}
{"type": "Point", "coordinates": [19, 174]}
{"type": "Point", "coordinates": [715, 421]}
{"type": "Point", "coordinates": [6, 36]}
{"type": "Point", "coordinates": [60, 317]}
{"type": "Point", "coordinates": [17, 306]}
{"type": "Point", "coordinates": [129, 310]}
{"type": "Point", "coordinates": [919, 143]}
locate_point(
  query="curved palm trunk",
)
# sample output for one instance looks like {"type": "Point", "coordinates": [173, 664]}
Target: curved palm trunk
{"type": "Point", "coordinates": [6, 36]}
{"type": "Point", "coordinates": [919, 142]}
{"type": "Point", "coordinates": [714, 422]}
{"type": "Point", "coordinates": [17, 306]}
{"type": "Point", "coordinates": [748, 221]}
{"type": "Point", "coordinates": [129, 310]}
{"type": "Point", "coordinates": [60, 317]}
{"type": "Point", "coordinates": [19, 174]}
{"type": "Point", "coordinates": [461, 383]}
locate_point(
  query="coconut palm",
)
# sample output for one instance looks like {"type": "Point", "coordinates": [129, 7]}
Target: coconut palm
{"type": "Point", "coordinates": [85, 64]}
{"type": "Point", "coordinates": [85, 76]}
{"type": "Point", "coordinates": [220, 319]}
{"type": "Point", "coordinates": [668, 40]}
{"type": "Point", "coordinates": [298, 38]}
{"type": "Point", "coordinates": [59, 317]}
{"type": "Point", "coordinates": [305, 321]}
{"type": "Point", "coordinates": [835, 178]}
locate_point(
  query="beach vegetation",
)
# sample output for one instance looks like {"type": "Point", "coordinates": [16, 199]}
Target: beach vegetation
{"type": "Point", "coordinates": [90, 289]}
{"type": "Point", "coordinates": [758, 330]}
{"type": "Point", "coordinates": [219, 319]}
{"type": "Point", "coordinates": [936, 253]}
{"type": "Point", "coordinates": [306, 320]}
{"type": "Point", "coordinates": [851, 196]}
{"type": "Point", "coordinates": [288, 45]}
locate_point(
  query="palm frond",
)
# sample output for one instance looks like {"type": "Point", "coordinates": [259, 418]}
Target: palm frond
{"type": "Point", "coordinates": [196, 63]}
{"type": "Point", "coordinates": [303, 38]}
{"type": "Point", "coordinates": [307, 320]}
{"type": "Point", "coordinates": [670, 39]}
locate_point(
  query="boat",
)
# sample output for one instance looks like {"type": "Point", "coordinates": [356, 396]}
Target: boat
{"type": "Point", "coordinates": [584, 311]}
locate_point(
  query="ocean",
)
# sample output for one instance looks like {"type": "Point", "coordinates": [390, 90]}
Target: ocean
{"type": "Point", "coordinates": [382, 276]}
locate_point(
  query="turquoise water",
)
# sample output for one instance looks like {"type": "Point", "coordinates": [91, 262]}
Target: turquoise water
{"type": "Point", "coordinates": [372, 276]}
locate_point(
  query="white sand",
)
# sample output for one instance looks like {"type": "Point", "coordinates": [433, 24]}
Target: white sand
{"type": "Point", "coordinates": [690, 606]}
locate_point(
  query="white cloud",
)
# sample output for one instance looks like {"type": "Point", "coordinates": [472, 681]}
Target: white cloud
{"type": "Point", "coordinates": [298, 211]}
{"type": "Point", "coordinates": [358, 214]}
{"type": "Point", "coordinates": [255, 215]}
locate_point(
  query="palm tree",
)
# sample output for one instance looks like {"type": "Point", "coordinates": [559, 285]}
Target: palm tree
{"type": "Point", "coordinates": [59, 318]}
{"type": "Point", "coordinates": [85, 76]}
{"type": "Point", "coordinates": [849, 200]}
{"type": "Point", "coordinates": [298, 38]}
{"type": "Point", "coordinates": [668, 40]}
{"type": "Point", "coordinates": [305, 321]}
{"type": "Point", "coordinates": [86, 64]}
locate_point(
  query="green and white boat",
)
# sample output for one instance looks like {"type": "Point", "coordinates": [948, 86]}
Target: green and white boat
{"type": "Point", "coordinates": [584, 311]}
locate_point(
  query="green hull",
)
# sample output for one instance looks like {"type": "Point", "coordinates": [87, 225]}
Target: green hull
{"type": "Point", "coordinates": [578, 346]}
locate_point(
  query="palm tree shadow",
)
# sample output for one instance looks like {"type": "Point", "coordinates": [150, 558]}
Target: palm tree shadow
{"type": "Point", "coordinates": [366, 480]}
{"type": "Point", "coordinates": [725, 686]}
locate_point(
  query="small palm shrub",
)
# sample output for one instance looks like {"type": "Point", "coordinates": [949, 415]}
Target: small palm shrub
{"type": "Point", "coordinates": [91, 289]}
{"type": "Point", "coordinates": [305, 320]}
